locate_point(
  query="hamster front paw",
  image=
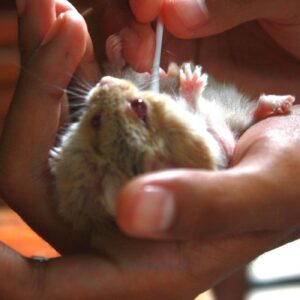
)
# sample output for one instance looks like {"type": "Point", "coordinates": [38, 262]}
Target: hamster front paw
{"type": "Point", "coordinates": [192, 83]}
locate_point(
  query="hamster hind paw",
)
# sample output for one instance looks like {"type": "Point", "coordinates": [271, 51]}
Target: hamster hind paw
{"type": "Point", "coordinates": [192, 83]}
{"type": "Point", "coordinates": [273, 105]}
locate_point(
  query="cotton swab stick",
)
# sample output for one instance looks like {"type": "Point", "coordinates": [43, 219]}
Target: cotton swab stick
{"type": "Point", "coordinates": [157, 56]}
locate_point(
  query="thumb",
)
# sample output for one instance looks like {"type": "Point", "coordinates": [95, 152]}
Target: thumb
{"type": "Point", "coordinates": [198, 18]}
{"type": "Point", "coordinates": [147, 10]}
{"type": "Point", "coordinates": [190, 204]}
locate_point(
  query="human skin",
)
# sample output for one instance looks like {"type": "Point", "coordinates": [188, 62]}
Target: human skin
{"type": "Point", "coordinates": [259, 56]}
{"type": "Point", "coordinates": [225, 200]}
{"type": "Point", "coordinates": [252, 44]}
{"type": "Point", "coordinates": [190, 264]}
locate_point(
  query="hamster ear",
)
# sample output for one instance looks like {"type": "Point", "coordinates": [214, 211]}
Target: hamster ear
{"type": "Point", "coordinates": [192, 83]}
{"type": "Point", "coordinates": [269, 105]}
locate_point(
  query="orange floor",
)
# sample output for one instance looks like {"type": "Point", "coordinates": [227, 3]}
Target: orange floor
{"type": "Point", "coordinates": [16, 234]}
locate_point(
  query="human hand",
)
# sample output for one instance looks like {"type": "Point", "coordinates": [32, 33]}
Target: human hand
{"type": "Point", "coordinates": [203, 206]}
{"type": "Point", "coordinates": [180, 182]}
{"type": "Point", "coordinates": [254, 45]}
{"type": "Point", "coordinates": [150, 269]}
{"type": "Point", "coordinates": [257, 197]}
{"type": "Point", "coordinates": [53, 40]}
{"type": "Point", "coordinates": [139, 269]}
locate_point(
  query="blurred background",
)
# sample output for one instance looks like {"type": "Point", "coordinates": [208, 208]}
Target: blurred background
{"type": "Point", "coordinates": [273, 276]}
{"type": "Point", "coordinates": [9, 57]}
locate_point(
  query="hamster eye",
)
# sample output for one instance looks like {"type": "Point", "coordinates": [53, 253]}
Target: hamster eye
{"type": "Point", "coordinates": [140, 108]}
{"type": "Point", "coordinates": [96, 121]}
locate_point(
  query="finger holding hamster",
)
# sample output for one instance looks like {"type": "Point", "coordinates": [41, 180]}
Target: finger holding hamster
{"type": "Point", "coordinates": [33, 118]}
{"type": "Point", "coordinates": [88, 72]}
{"type": "Point", "coordinates": [188, 205]}
{"type": "Point", "coordinates": [192, 19]}
{"type": "Point", "coordinates": [139, 57]}
{"type": "Point", "coordinates": [259, 194]}
{"type": "Point", "coordinates": [199, 18]}
{"type": "Point", "coordinates": [138, 39]}
{"type": "Point", "coordinates": [146, 10]}
{"type": "Point", "coordinates": [35, 19]}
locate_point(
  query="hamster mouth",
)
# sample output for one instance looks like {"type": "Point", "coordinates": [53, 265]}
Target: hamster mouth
{"type": "Point", "coordinates": [225, 140]}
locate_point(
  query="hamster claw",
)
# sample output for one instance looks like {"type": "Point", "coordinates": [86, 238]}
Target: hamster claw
{"type": "Point", "coordinates": [192, 83]}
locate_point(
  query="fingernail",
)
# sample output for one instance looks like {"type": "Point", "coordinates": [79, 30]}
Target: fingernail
{"type": "Point", "coordinates": [154, 211]}
{"type": "Point", "coordinates": [193, 13]}
{"type": "Point", "coordinates": [20, 4]}
{"type": "Point", "coordinates": [51, 34]}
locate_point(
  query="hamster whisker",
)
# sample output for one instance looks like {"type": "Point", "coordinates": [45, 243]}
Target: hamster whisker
{"type": "Point", "coordinates": [77, 105]}
{"type": "Point", "coordinates": [75, 116]}
{"type": "Point", "coordinates": [75, 95]}
{"type": "Point", "coordinates": [144, 85]}
{"type": "Point", "coordinates": [82, 93]}
{"type": "Point", "coordinates": [174, 93]}
{"type": "Point", "coordinates": [82, 89]}
{"type": "Point", "coordinates": [170, 53]}
{"type": "Point", "coordinates": [80, 81]}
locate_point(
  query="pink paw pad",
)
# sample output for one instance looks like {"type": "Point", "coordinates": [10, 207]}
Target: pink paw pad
{"type": "Point", "coordinates": [192, 83]}
{"type": "Point", "coordinates": [273, 105]}
{"type": "Point", "coordinates": [113, 49]}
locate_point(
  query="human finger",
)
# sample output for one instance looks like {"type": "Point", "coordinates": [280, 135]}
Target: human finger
{"type": "Point", "coordinates": [175, 205]}
{"type": "Point", "coordinates": [151, 270]}
{"type": "Point", "coordinates": [34, 22]}
{"type": "Point", "coordinates": [88, 71]}
{"type": "Point", "coordinates": [146, 11]}
{"type": "Point", "coordinates": [198, 204]}
{"type": "Point", "coordinates": [199, 18]}
{"type": "Point", "coordinates": [32, 123]}
{"type": "Point", "coordinates": [18, 278]}
{"type": "Point", "coordinates": [138, 40]}
{"type": "Point", "coordinates": [62, 6]}
{"type": "Point", "coordinates": [138, 43]}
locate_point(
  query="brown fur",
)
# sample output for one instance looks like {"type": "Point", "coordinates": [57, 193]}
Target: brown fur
{"type": "Point", "coordinates": [96, 163]}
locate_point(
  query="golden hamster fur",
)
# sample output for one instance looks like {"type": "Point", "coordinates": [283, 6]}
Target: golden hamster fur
{"type": "Point", "coordinates": [127, 130]}
{"type": "Point", "coordinates": [123, 133]}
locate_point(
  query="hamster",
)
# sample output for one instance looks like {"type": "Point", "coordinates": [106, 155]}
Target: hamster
{"type": "Point", "coordinates": [127, 130]}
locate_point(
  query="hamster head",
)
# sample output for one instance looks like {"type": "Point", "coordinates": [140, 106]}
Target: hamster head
{"type": "Point", "coordinates": [125, 132]}
{"type": "Point", "coordinates": [119, 125]}
{"type": "Point", "coordinates": [137, 131]}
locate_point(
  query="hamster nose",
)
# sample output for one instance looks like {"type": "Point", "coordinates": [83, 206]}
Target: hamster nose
{"type": "Point", "coordinates": [110, 81]}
